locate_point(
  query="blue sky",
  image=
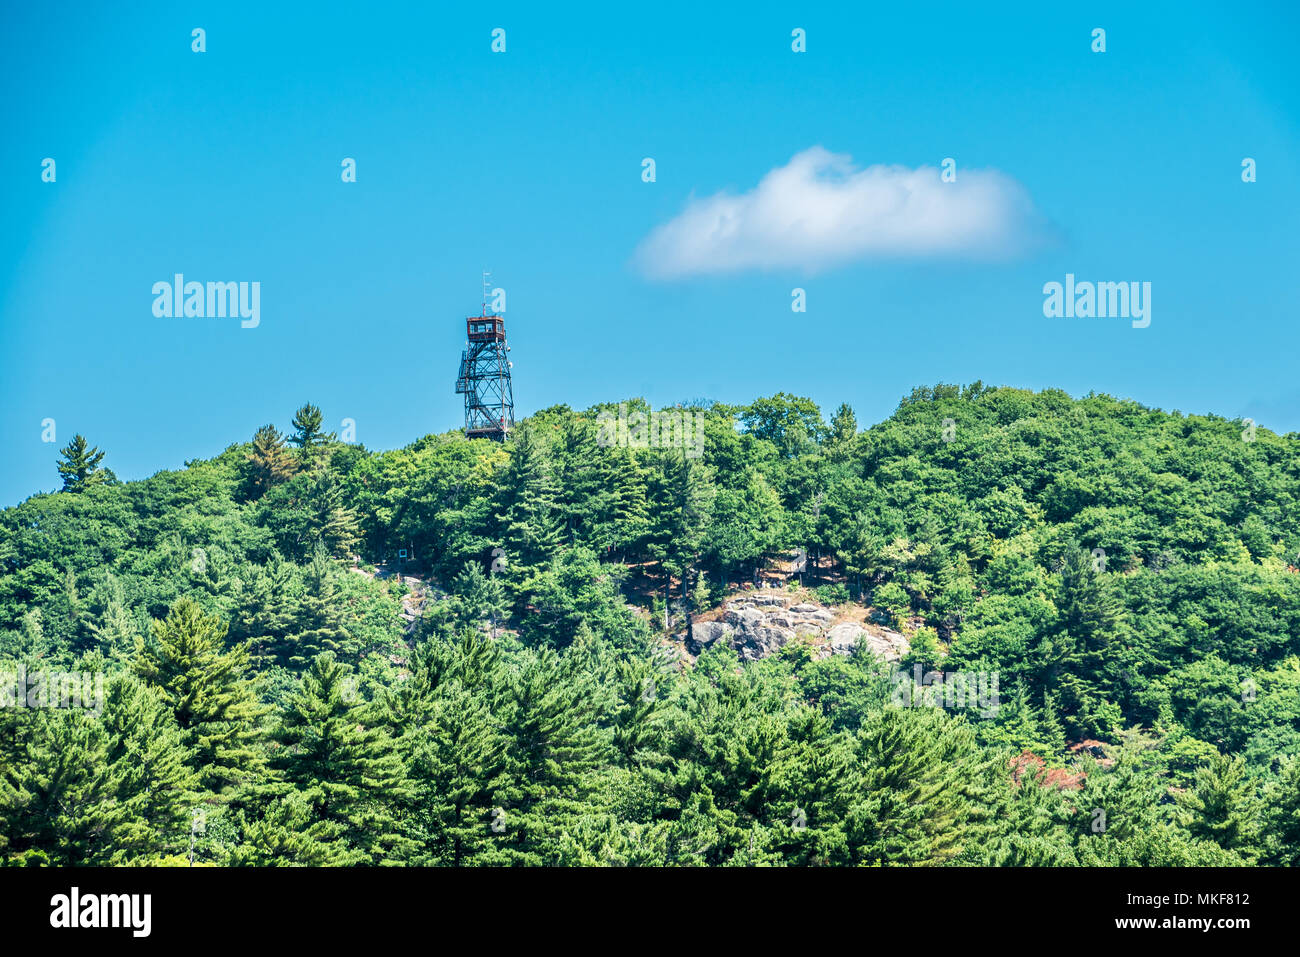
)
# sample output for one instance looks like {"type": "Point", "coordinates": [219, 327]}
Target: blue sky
{"type": "Point", "coordinates": [225, 165]}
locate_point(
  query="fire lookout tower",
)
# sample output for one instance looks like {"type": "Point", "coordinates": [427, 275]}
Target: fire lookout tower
{"type": "Point", "coordinates": [484, 378]}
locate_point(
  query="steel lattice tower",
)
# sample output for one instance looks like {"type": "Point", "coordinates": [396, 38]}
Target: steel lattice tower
{"type": "Point", "coordinates": [484, 378]}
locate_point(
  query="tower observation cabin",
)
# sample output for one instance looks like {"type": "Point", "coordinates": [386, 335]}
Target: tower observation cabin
{"type": "Point", "coordinates": [485, 328]}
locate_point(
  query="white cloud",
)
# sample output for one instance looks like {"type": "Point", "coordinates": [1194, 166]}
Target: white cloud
{"type": "Point", "coordinates": [819, 211]}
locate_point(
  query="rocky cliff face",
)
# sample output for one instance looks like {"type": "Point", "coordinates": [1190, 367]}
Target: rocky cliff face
{"type": "Point", "coordinates": [757, 625]}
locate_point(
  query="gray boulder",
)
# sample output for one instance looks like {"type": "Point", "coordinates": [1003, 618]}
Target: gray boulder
{"type": "Point", "coordinates": [820, 616]}
{"type": "Point", "coordinates": [705, 633]}
{"type": "Point", "coordinates": [754, 634]}
{"type": "Point", "coordinates": [842, 639]}
{"type": "Point", "coordinates": [885, 644]}
{"type": "Point", "coordinates": [759, 642]}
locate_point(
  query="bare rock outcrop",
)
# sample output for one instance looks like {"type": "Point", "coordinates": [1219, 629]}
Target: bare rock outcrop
{"type": "Point", "coordinates": [759, 625]}
{"type": "Point", "coordinates": [889, 645]}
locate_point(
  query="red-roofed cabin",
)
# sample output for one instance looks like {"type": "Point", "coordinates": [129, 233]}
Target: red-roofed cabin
{"type": "Point", "coordinates": [485, 328]}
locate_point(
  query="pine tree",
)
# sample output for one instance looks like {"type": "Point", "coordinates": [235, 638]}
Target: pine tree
{"type": "Point", "coordinates": [72, 606]}
{"type": "Point", "coordinates": [1222, 807]}
{"type": "Point", "coordinates": [344, 763]}
{"type": "Point", "coordinates": [268, 464]}
{"type": "Point", "coordinates": [1076, 661]}
{"type": "Point", "coordinates": [79, 465]}
{"type": "Point", "coordinates": [1129, 795]}
{"type": "Point", "coordinates": [631, 510]}
{"type": "Point", "coordinates": [580, 494]}
{"type": "Point", "coordinates": [318, 621]}
{"type": "Point", "coordinates": [156, 786]}
{"type": "Point", "coordinates": [1090, 611]}
{"type": "Point", "coordinates": [719, 780]}
{"type": "Point", "coordinates": [307, 431]}
{"type": "Point", "coordinates": [479, 597]}
{"type": "Point", "coordinates": [1282, 816]}
{"type": "Point", "coordinates": [57, 802]}
{"type": "Point", "coordinates": [1121, 818]}
{"type": "Point", "coordinates": [527, 509]}
{"type": "Point", "coordinates": [83, 789]}
{"type": "Point", "coordinates": [1051, 728]}
{"type": "Point", "coordinates": [114, 629]}
{"type": "Point", "coordinates": [815, 778]}
{"type": "Point", "coordinates": [639, 711]}
{"type": "Point", "coordinates": [918, 802]}
{"type": "Point", "coordinates": [266, 610]}
{"type": "Point", "coordinates": [468, 657]}
{"type": "Point", "coordinates": [446, 716]}
{"type": "Point", "coordinates": [701, 595]}
{"type": "Point", "coordinates": [746, 522]}
{"type": "Point", "coordinates": [13, 744]}
{"type": "Point", "coordinates": [285, 832]}
{"type": "Point", "coordinates": [29, 643]}
{"type": "Point", "coordinates": [1030, 826]}
{"type": "Point", "coordinates": [330, 522]}
{"type": "Point", "coordinates": [205, 686]}
{"type": "Point", "coordinates": [456, 758]}
{"type": "Point", "coordinates": [682, 496]}
{"type": "Point", "coordinates": [556, 746]}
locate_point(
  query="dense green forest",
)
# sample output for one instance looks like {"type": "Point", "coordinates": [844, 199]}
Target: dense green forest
{"type": "Point", "coordinates": [1128, 574]}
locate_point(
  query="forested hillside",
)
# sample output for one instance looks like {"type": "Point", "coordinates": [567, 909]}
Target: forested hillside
{"type": "Point", "coordinates": [1129, 575]}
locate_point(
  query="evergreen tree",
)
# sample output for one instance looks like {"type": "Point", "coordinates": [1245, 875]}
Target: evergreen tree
{"type": "Point", "coordinates": [1282, 816]}
{"type": "Point", "coordinates": [269, 464]}
{"type": "Point", "coordinates": [580, 494]}
{"type": "Point", "coordinates": [628, 520]}
{"type": "Point", "coordinates": [639, 710]}
{"type": "Point", "coordinates": [456, 760]}
{"type": "Point", "coordinates": [72, 608]}
{"type": "Point", "coordinates": [309, 510]}
{"type": "Point", "coordinates": [344, 764]}
{"type": "Point", "coordinates": [28, 643]}
{"type": "Point", "coordinates": [206, 687]}
{"type": "Point", "coordinates": [720, 785]}
{"type": "Point", "coordinates": [682, 499]}
{"type": "Point", "coordinates": [469, 657]}
{"type": "Point", "coordinates": [334, 523]}
{"type": "Point", "coordinates": [82, 789]}
{"type": "Point", "coordinates": [1121, 819]}
{"type": "Point", "coordinates": [287, 833]}
{"type": "Point", "coordinates": [555, 749]}
{"type": "Point", "coordinates": [318, 621]}
{"type": "Point", "coordinates": [1076, 659]}
{"type": "Point", "coordinates": [1222, 807]}
{"type": "Point", "coordinates": [1030, 826]}
{"type": "Point", "coordinates": [307, 431]}
{"type": "Point", "coordinates": [57, 802]}
{"type": "Point", "coordinates": [919, 801]}
{"type": "Point", "coordinates": [266, 611]}
{"type": "Point", "coordinates": [156, 785]}
{"type": "Point", "coordinates": [113, 630]}
{"type": "Point", "coordinates": [79, 465]}
{"type": "Point", "coordinates": [747, 523]}
{"type": "Point", "coordinates": [815, 776]}
{"type": "Point", "coordinates": [526, 506]}
{"type": "Point", "coordinates": [479, 597]}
